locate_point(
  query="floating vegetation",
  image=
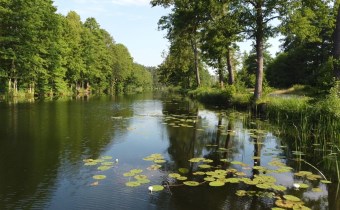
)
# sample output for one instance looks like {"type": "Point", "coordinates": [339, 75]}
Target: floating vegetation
{"type": "Point", "coordinates": [99, 177]}
{"type": "Point", "coordinates": [191, 183]}
{"type": "Point", "coordinates": [132, 184]}
{"type": "Point", "coordinates": [236, 162]}
{"type": "Point", "coordinates": [174, 175]}
{"type": "Point", "coordinates": [216, 183]}
{"type": "Point", "coordinates": [104, 168]}
{"type": "Point", "coordinates": [317, 189]}
{"type": "Point", "coordinates": [209, 179]}
{"type": "Point", "coordinates": [127, 174]}
{"type": "Point", "coordinates": [157, 188]}
{"type": "Point", "coordinates": [181, 178]}
{"type": "Point", "coordinates": [325, 182]}
{"type": "Point", "coordinates": [183, 170]}
{"type": "Point", "coordinates": [199, 173]}
{"type": "Point", "coordinates": [158, 158]}
{"type": "Point", "coordinates": [140, 176]}
{"type": "Point", "coordinates": [154, 167]}
{"type": "Point", "coordinates": [279, 187]}
{"type": "Point", "coordinates": [204, 166]}
{"type": "Point", "coordinates": [136, 171]}
{"type": "Point", "coordinates": [106, 157]}
{"type": "Point", "coordinates": [291, 198]}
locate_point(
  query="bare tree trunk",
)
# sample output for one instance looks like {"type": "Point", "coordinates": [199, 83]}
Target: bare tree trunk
{"type": "Point", "coordinates": [198, 80]}
{"type": "Point", "coordinates": [336, 47]}
{"type": "Point", "coordinates": [259, 51]}
{"type": "Point", "coordinates": [231, 79]}
{"type": "Point", "coordinates": [196, 69]}
{"type": "Point", "coordinates": [220, 73]}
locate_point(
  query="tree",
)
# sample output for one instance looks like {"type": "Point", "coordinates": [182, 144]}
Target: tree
{"type": "Point", "coordinates": [256, 17]}
{"type": "Point", "coordinates": [185, 22]}
{"type": "Point", "coordinates": [220, 33]}
{"type": "Point", "coordinates": [336, 45]}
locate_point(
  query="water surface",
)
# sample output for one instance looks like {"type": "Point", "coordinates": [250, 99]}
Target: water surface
{"type": "Point", "coordinates": [43, 146]}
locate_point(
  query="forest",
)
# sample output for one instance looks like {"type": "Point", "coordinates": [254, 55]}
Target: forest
{"type": "Point", "coordinates": [205, 34]}
{"type": "Point", "coordinates": [45, 54]}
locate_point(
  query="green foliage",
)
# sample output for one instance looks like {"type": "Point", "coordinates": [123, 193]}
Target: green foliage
{"type": "Point", "coordinates": [45, 53]}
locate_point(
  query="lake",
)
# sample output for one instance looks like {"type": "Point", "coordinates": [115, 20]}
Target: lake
{"type": "Point", "coordinates": [105, 152]}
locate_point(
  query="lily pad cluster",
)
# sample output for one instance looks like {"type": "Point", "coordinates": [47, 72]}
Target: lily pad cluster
{"type": "Point", "coordinates": [103, 163]}
{"type": "Point", "coordinates": [157, 159]}
{"type": "Point", "coordinates": [138, 179]}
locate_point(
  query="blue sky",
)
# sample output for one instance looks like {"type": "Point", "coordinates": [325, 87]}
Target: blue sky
{"type": "Point", "coordinates": [130, 22]}
{"type": "Point", "coordinates": [134, 24]}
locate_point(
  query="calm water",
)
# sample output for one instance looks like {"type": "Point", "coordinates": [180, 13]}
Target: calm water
{"type": "Point", "coordinates": [43, 146]}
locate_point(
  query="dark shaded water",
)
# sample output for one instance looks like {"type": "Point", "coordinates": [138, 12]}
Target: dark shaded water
{"type": "Point", "coordinates": [43, 145]}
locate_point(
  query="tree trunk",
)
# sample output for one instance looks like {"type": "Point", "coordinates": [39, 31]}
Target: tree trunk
{"type": "Point", "coordinates": [198, 80]}
{"type": "Point", "coordinates": [196, 69]}
{"type": "Point", "coordinates": [220, 73]}
{"type": "Point", "coordinates": [231, 79]}
{"type": "Point", "coordinates": [336, 47]}
{"type": "Point", "coordinates": [259, 51]}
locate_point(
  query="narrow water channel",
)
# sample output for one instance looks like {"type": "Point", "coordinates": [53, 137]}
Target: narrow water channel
{"type": "Point", "coordinates": [105, 152]}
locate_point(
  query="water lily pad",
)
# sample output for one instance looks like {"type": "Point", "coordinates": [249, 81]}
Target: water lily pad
{"type": "Point", "coordinates": [90, 163]}
{"type": "Point", "coordinates": [182, 178]}
{"type": "Point", "coordinates": [196, 160]}
{"type": "Point", "coordinates": [143, 181]}
{"type": "Point", "coordinates": [154, 167]}
{"type": "Point", "coordinates": [317, 189]}
{"type": "Point", "coordinates": [208, 161]}
{"type": "Point", "coordinates": [279, 187]}
{"type": "Point", "coordinates": [191, 183]}
{"type": "Point", "coordinates": [183, 170]}
{"type": "Point", "coordinates": [224, 160]}
{"type": "Point", "coordinates": [159, 161]}
{"type": "Point", "coordinates": [174, 175]}
{"type": "Point", "coordinates": [204, 166]}
{"type": "Point", "coordinates": [104, 168]}
{"type": "Point", "coordinates": [107, 163]}
{"type": "Point", "coordinates": [236, 162]}
{"type": "Point", "coordinates": [127, 174]}
{"type": "Point", "coordinates": [106, 157]}
{"type": "Point", "coordinates": [263, 186]}
{"type": "Point", "coordinates": [277, 208]}
{"type": "Point", "coordinates": [136, 171]}
{"type": "Point", "coordinates": [209, 179]}
{"type": "Point", "coordinates": [325, 181]}
{"type": "Point", "coordinates": [303, 185]}
{"type": "Point", "coordinates": [140, 176]}
{"type": "Point", "coordinates": [232, 180]}
{"type": "Point", "coordinates": [99, 177]}
{"type": "Point", "coordinates": [156, 188]}
{"type": "Point", "coordinates": [149, 159]}
{"type": "Point", "coordinates": [284, 203]}
{"type": "Point", "coordinates": [132, 184]}
{"type": "Point", "coordinates": [199, 173]}
{"type": "Point", "coordinates": [241, 193]}
{"type": "Point", "coordinates": [216, 183]}
{"type": "Point", "coordinates": [292, 198]}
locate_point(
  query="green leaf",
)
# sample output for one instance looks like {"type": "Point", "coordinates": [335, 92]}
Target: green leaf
{"type": "Point", "coordinates": [191, 183]}
{"type": "Point", "coordinates": [132, 184]}
{"type": "Point", "coordinates": [98, 177]}
{"type": "Point", "coordinates": [216, 184]}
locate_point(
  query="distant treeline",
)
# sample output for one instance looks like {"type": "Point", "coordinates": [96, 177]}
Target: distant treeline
{"type": "Point", "coordinates": [44, 53]}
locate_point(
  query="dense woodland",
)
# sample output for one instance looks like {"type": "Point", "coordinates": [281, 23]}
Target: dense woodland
{"type": "Point", "coordinates": [43, 53]}
{"type": "Point", "coordinates": [205, 34]}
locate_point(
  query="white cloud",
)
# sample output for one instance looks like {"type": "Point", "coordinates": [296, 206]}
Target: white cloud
{"type": "Point", "coordinates": [132, 2]}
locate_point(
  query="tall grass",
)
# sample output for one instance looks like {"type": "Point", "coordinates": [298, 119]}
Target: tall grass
{"type": "Point", "coordinates": [310, 124]}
